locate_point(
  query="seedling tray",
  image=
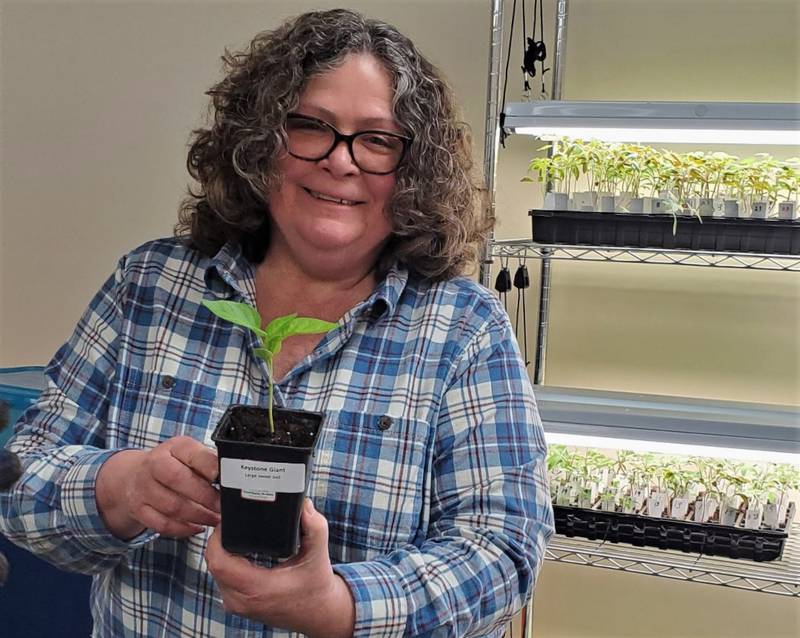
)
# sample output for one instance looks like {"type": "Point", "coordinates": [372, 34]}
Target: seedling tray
{"type": "Point", "coordinates": [666, 533]}
{"type": "Point", "coordinates": [639, 230]}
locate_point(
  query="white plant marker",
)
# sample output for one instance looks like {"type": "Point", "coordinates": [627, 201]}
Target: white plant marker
{"type": "Point", "coordinates": [755, 512]}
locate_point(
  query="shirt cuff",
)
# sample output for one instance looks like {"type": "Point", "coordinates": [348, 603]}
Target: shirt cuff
{"type": "Point", "coordinates": [381, 604]}
{"type": "Point", "coordinates": [79, 505]}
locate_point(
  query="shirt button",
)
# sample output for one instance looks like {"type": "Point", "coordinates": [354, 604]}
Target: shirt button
{"type": "Point", "coordinates": [167, 382]}
{"type": "Point", "coordinates": [385, 422]}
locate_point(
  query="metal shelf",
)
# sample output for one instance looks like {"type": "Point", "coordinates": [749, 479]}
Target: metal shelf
{"type": "Point", "coordinates": [781, 577]}
{"type": "Point", "coordinates": [527, 249]}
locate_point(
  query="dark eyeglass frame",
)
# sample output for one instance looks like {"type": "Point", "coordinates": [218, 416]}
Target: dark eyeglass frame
{"type": "Point", "coordinates": [348, 139]}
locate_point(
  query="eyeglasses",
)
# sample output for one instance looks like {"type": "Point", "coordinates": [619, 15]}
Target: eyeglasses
{"type": "Point", "coordinates": [375, 152]}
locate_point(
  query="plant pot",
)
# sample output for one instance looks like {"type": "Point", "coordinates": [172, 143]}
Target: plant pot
{"type": "Point", "coordinates": [760, 209]}
{"type": "Point", "coordinates": [583, 200]}
{"type": "Point", "coordinates": [771, 511]}
{"type": "Point", "coordinates": [707, 206]}
{"type": "Point", "coordinates": [636, 205]}
{"type": "Point", "coordinates": [606, 203]}
{"type": "Point", "coordinates": [556, 201]}
{"type": "Point", "coordinates": [787, 210]}
{"type": "Point", "coordinates": [622, 202]}
{"type": "Point", "coordinates": [755, 512]}
{"type": "Point", "coordinates": [731, 208]}
{"type": "Point", "coordinates": [263, 483]}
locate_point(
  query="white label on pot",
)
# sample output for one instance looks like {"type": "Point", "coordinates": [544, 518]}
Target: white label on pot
{"type": "Point", "coordinates": [259, 495]}
{"type": "Point", "coordinates": [680, 506]}
{"type": "Point", "coordinates": [261, 477]}
{"type": "Point", "coordinates": [656, 504]}
{"type": "Point", "coordinates": [752, 519]}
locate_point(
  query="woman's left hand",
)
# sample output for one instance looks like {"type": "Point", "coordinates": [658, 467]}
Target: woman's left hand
{"type": "Point", "coordinates": [301, 594]}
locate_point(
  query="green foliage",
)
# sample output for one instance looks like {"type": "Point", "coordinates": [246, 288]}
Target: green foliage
{"type": "Point", "coordinates": [638, 169]}
{"type": "Point", "coordinates": [272, 336]}
{"type": "Point", "coordinates": [678, 476]}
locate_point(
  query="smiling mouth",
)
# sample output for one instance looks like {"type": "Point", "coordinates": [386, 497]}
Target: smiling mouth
{"type": "Point", "coordinates": [329, 198]}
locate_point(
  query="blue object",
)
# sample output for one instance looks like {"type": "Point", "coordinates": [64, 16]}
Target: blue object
{"type": "Point", "coordinates": [38, 600]}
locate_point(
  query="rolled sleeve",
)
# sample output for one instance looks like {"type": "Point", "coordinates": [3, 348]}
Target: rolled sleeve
{"type": "Point", "coordinates": [381, 603]}
{"type": "Point", "coordinates": [82, 519]}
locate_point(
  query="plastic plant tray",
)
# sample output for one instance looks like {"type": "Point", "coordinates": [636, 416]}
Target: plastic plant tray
{"type": "Point", "coordinates": [640, 230]}
{"type": "Point", "coordinates": [666, 533]}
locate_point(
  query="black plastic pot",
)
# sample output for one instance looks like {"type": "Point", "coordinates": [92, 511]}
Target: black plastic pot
{"type": "Point", "coordinates": [263, 484]}
{"type": "Point", "coordinates": [666, 533]}
{"type": "Point", "coordinates": [638, 230]}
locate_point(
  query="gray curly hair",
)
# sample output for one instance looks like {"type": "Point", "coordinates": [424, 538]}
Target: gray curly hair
{"type": "Point", "coordinates": [437, 218]}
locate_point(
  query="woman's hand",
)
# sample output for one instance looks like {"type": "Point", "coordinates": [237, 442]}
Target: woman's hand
{"type": "Point", "coordinates": [167, 489]}
{"type": "Point", "coordinates": [301, 594]}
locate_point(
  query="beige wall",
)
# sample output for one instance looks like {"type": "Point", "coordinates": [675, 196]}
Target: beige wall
{"type": "Point", "coordinates": [98, 99]}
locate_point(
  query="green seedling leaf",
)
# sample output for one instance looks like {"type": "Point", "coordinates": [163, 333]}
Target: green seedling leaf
{"type": "Point", "coordinates": [308, 326]}
{"type": "Point", "coordinates": [241, 314]}
{"type": "Point", "coordinates": [277, 328]}
{"type": "Point", "coordinates": [280, 328]}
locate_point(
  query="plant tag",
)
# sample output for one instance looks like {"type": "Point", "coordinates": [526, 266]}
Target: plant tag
{"type": "Point", "coordinates": [656, 504]}
{"type": "Point", "coordinates": [260, 480]}
{"type": "Point", "coordinates": [680, 507]}
{"type": "Point", "coordinates": [752, 519]}
{"type": "Point", "coordinates": [727, 514]}
{"type": "Point", "coordinates": [771, 515]}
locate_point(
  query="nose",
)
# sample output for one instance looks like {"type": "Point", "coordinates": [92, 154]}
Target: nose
{"type": "Point", "coordinates": [339, 161]}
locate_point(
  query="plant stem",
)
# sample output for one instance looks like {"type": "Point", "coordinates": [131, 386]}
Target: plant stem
{"type": "Point", "coordinates": [271, 384]}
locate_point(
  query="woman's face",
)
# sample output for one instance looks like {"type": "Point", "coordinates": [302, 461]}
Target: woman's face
{"type": "Point", "coordinates": [355, 96]}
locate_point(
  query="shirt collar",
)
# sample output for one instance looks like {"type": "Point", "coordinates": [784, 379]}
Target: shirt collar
{"type": "Point", "coordinates": [386, 296]}
{"type": "Point", "coordinates": [229, 273]}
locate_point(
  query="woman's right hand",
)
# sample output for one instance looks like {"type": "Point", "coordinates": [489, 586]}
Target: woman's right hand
{"type": "Point", "coordinates": [167, 489]}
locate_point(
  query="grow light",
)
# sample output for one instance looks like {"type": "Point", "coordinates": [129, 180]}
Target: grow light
{"type": "Point", "coordinates": [679, 425]}
{"type": "Point", "coordinates": [663, 122]}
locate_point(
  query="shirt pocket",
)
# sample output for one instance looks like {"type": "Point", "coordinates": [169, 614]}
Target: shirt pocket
{"type": "Point", "coordinates": [369, 481]}
{"type": "Point", "coordinates": [154, 407]}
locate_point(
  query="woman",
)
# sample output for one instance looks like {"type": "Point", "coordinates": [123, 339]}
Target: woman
{"type": "Point", "coordinates": [334, 182]}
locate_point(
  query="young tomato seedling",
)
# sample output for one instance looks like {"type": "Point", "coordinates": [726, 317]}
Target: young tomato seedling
{"type": "Point", "coordinates": [272, 336]}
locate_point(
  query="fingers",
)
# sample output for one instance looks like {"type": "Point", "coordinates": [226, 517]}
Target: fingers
{"type": "Point", "coordinates": [175, 506]}
{"type": "Point", "coordinates": [172, 473]}
{"type": "Point", "coordinates": [171, 491]}
{"type": "Point", "coordinates": [314, 529]}
{"type": "Point", "coordinates": [166, 526]}
{"type": "Point", "coordinates": [226, 567]}
{"type": "Point", "coordinates": [195, 455]}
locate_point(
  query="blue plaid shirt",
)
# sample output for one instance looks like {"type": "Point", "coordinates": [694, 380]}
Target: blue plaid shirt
{"type": "Point", "coordinates": [438, 523]}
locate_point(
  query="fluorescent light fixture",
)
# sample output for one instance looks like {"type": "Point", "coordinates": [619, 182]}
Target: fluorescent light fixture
{"type": "Point", "coordinates": [662, 447]}
{"type": "Point", "coordinates": [765, 123]}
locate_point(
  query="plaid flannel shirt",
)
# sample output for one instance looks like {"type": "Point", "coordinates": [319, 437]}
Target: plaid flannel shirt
{"type": "Point", "coordinates": [438, 523]}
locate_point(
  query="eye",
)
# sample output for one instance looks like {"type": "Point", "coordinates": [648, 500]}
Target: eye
{"type": "Point", "coordinates": [382, 142]}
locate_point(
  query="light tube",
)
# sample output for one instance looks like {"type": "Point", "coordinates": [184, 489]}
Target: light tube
{"type": "Point", "coordinates": [765, 123]}
{"type": "Point", "coordinates": [665, 135]}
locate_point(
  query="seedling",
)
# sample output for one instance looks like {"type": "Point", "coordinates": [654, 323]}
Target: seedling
{"type": "Point", "coordinates": [272, 337]}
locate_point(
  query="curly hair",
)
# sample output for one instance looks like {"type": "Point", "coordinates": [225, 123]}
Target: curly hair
{"type": "Point", "coordinates": [436, 210]}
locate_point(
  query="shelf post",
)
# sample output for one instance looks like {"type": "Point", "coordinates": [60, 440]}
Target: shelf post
{"type": "Point", "coordinates": [492, 137]}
